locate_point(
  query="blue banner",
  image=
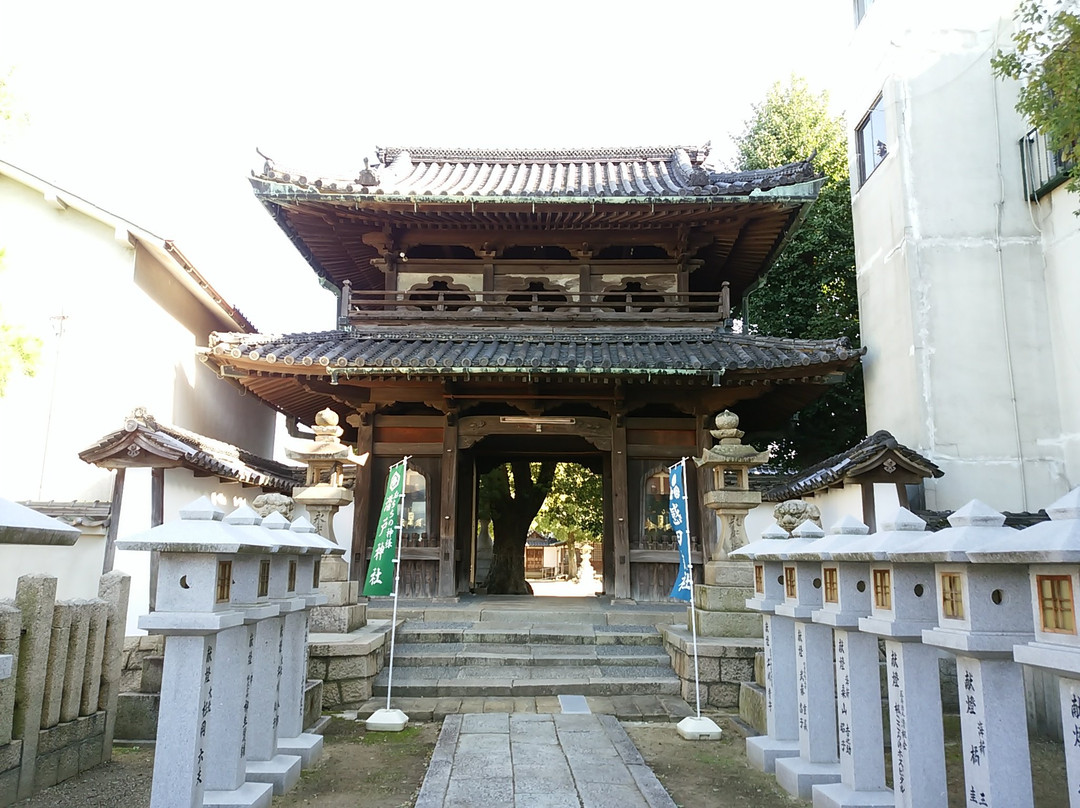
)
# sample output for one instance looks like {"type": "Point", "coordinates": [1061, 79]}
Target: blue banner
{"type": "Point", "coordinates": [680, 523]}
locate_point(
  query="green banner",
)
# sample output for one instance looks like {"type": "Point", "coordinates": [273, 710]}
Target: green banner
{"type": "Point", "coordinates": [380, 574]}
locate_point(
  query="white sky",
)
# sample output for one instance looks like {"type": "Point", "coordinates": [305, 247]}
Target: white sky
{"type": "Point", "coordinates": [154, 110]}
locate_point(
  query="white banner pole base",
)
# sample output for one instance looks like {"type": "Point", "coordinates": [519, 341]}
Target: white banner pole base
{"type": "Point", "coordinates": [387, 720]}
{"type": "Point", "coordinates": [699, 728]}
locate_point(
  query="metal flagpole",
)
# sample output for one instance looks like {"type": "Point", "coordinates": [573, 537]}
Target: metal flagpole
{"type": "Point", "coordinates": [388, 719]}
{"type": "Point", "coordinates": [695, 728]}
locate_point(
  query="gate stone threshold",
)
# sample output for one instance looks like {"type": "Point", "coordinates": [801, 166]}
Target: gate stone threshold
{"type": "Point", "coordinates": [437, 708]}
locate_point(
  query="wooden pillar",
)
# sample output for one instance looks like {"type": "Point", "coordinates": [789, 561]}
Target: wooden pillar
{"type": "Point", "coordinates": [869, 515]}
{"type": "Point", "coordinates": [619, 507]}
{"type": "Point", "coordinates": [448, 507]}
{"type": "Point", "coordinates": [114, 521]}
{"type": "Point", "coordinates": [157, 517]}
{"type": "Point", "coordinates": [364, 422]}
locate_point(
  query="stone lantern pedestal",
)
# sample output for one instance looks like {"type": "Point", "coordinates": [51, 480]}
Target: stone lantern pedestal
{"type": "Point", "coordinates": [721, 601]}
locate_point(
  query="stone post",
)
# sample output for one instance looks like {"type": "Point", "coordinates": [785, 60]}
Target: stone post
{"type": "Point", "coordinates": [720, 602]}
{"type": "Point", "coordinates": [194, 580]}
{"type": "Point", "coordinates": [292, 739]}
{"type": "Point", "coordinates": [846, 594]}
{"type": "Point", "coordinates": [323, 495]}
{"type": "Point", "coordinates": [983, 611]}
{"type": "Point", "coordinates": [35, 597]}
{"type": "Point", "coordinates": [781, 706]}
{"type": "Point", "coordinates": [817, 762]}
{"type": "Point", "coordinates": [227, 732]}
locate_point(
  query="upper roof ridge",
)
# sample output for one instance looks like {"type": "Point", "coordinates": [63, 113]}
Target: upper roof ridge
{"type": "Point", "coordinates": [387, 154]}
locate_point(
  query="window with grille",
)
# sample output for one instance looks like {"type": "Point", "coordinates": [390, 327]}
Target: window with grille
{"type": "Point", "coordinates": [952, 596]}
{"type": "Point", "coordinates": [832, 589]}
{"type": "Point", "coordinates": [224, 581]}
{"type": "Point", "coordinates": [790, 589]}
{"type": "Point", "coordinates": [759, 579]}
{"type": "Point", "coordinates": [883, 589]}
{"type": "Point", "coordinates": [264, 578]}
{"type": "Point", "coordinates": [292, 576]}
{"type": "Point", "coordinates": [1056, 603]}
{"type": "Point", "coordinates": [315, 573]}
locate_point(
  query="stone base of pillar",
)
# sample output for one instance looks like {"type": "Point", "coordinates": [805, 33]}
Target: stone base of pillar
{"type": "Point", "coordinates": [340, 593]}
{"type": "Point", "coordinates": [338, 619]}
{"type": "Point", "coordinates": [762, 752]}
{"type": "Point", "coordinates": [282, 772]}
{"type": "Point", "coordinates": [838, 795]}
{"type": "Point", "coordinates": [723, 665]}
{"type": "Point", "coordinates": [726, 624]}
{"type": "Point", "coordinates": [798, 777]}
{"type": "Point", "coordinates": [307, 746]}
{"type": "Point", "coordinates": [249, 795]}
{"type": "Point", "coordinates": [729, 573]}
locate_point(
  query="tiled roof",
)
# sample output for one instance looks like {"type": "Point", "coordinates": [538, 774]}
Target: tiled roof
{"type": "Point", "coordinates": [77, 514]}
{"type": "Point", "coordinates": [862, 456]}
{"type": "Point", "coordinates": [657, 172]}
{"type": "Point", "coordinates": [576, 352]}
{"type": "Point", "coordinates": [144, 441]}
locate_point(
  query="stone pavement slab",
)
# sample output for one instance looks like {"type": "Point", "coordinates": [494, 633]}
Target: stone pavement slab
{"type": "Point", "coordinates": [536, 760]}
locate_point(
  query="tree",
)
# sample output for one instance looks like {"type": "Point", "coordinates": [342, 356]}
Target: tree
{"type": "Point", "coordinates": [512, 505]}
{"type": "Point", "coordinates": [1047, 63]}
{"type": "Point", "coordinates": [574, 509]}
{"type": "Point", "coordinates": [19, 351]}
{"type": "Point", "coordinates": [809, 292]}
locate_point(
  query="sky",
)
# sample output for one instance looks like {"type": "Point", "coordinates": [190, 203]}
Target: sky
{"type": "Point", "coordinates": [154, 111]}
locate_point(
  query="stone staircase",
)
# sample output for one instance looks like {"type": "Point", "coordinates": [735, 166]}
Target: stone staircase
{"type": "Point", "coordinates": [523, 655]}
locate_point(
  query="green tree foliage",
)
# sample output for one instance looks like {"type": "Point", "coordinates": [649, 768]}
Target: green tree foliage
{"type": "Point", "coordinates": [809, 292]}
{"type": "Point", "coordinates": [1046, 61]}
{"type": "Point", "coordinates": [19, 351]}
{"type": "Point", "coordinates": [512, 503]}
{"type": "Point", "coordinates": [574, 509]}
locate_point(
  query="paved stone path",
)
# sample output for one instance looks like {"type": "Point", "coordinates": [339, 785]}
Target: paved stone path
{"type": "Point", "coordinates": [525, 760]}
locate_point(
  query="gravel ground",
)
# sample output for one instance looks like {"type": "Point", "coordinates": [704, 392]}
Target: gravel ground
{"type": "Point", "coordinates": [125, 780]}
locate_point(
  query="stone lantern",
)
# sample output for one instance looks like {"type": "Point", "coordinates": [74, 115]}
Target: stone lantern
{"type": "Point", "coordinates": [720, 603]}
{"type": "Point", "coordinates": [194, 585]}
{"type": "Point", "coordinates": [1051, 551]}
{"type": "Point", "coordinates": [322, 496]}
{"type": "Point", "coordinates": [983, 610]}
{"type": "Point", "coordinates": [902, 605]}
{"type": "Point", "coordinates": [778, 633]}
{"type": "Point", "coordinates": [817, 762]}
{"type": "Point", "coordinates": [846, 597]}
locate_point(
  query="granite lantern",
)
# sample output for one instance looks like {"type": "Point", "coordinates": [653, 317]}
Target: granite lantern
{"type": "Point", "coordinates": [194, 604]}
{"type": "Point", "coordinates": [778, 632]}
{"type": "Point", "coordinates": [1052, 552]}
{"type": "Point", "coordinates": [902, 605]}
{"type": "Point", "coordinates": [818, 762]}
{"type": "Point", "coordinates": [983, 610]}
{"type": "Point", "coordinates": [846, 598]}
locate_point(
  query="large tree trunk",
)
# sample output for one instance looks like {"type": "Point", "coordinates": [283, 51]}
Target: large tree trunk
{"type": "Point", "coordinates": [511, 514]}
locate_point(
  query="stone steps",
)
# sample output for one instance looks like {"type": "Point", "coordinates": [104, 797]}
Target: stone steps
{"type": "Point", "coordinates": [489, 659]}
{"type": "Point", "coordinates": [663, 707]}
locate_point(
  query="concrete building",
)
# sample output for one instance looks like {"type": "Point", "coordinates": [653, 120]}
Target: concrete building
{"type": "Point", "coordinates": [966, 257]}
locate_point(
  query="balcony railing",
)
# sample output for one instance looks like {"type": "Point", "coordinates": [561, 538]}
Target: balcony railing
{"type": "Point", "coordinates": [1044, 170]}
{"type": "Point", "coordinates": [529, 306]}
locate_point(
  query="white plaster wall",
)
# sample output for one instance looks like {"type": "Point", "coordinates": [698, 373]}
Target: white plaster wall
{"type": "Point", "coordinates": [951, 280]}
{"type": "Point", "coordinates": [69, 565]}
{"type": "Point", "coordinates": [128, 339]}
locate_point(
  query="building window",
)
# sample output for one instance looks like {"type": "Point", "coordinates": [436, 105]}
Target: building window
{"type": "Point", "coordinates": [883, 589]}
{"type": "Point", "coordinates": [656, 519]}
{"type": "Point", "coordinates": [759, 579]}
{"type": "Point", "coordinates": [790, 589]}
{"type": "Point", "coordinates": [292, 576]}
{"type": "Point", "coordinates": [860, 7]}
{"type": "Point", "coordinates": [870, 143]}
{"type": "Point", "coordinates": [832, 590]}
{"type": "Point", "coordinates": [224, 581]}
{"type": "Point", "coordinates": [1056, 603]}
{"type": "Point", "coordinates": [1044, 169]}
{"type": "Point", "coordinates": [952, 596]}
{"type": "Point", "coordinates": [315, 573]}
{"type": "Point", "coordinates": [264, 578]}
{"type": "Point", "coordinates": [414, 521]}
